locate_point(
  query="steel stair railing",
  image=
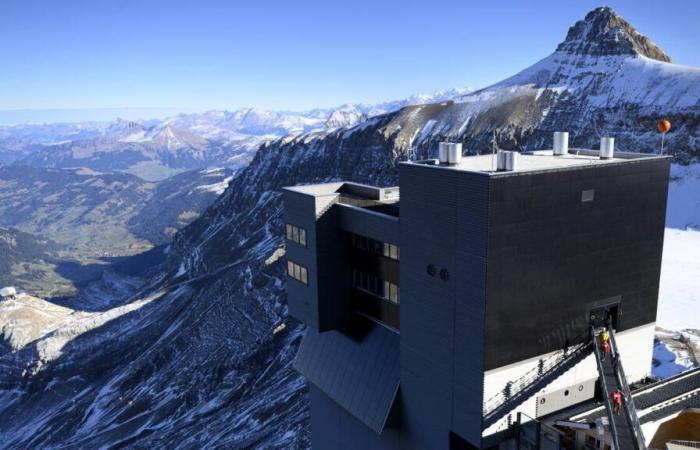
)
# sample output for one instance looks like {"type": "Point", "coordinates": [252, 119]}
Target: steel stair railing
{"type": "Point", "coordinates": [629, 401]}
{"type": "Point", "coordinates": [518, 391]}
{"type": "Point", "coordinates": [605, 388]}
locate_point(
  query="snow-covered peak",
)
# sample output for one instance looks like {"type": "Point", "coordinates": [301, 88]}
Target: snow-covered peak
{"type": "Point", "coordinates": [603, 33]}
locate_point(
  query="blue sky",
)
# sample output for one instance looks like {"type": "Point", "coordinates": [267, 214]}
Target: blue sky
{"type": "Point", "coordinates": [196, 55]}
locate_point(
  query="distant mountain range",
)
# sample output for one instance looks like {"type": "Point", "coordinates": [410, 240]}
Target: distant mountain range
{"type": "Point", "coordinates": [157, 149]}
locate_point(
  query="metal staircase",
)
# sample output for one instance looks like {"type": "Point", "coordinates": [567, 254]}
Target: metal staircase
{"type": "Point", "coordinates": [518, 391]}
{"type": "Point", "coordinates": [625, 428]}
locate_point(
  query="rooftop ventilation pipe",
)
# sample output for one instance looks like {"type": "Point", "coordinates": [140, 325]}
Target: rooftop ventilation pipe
{"type": "Point", "coordinates": [454, 153]}
{"type": "Point", "coordinates": [512, 161]}
{"type": "Point", "coordinates": [507, 160]}
{"type": "Point", "coordinates": [442, 152]}
{"type": "Point", "coordinates": [607, 148]}
{"type": "Point", "coordinates": [501, 160]}
{"type": "Point", "coordinates": [561, 143]}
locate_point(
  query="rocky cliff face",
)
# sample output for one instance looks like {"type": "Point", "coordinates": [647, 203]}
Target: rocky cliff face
{"type": "Point", "coordinates": [201, 358]}
{"type": "Point", "coordinates": [604, 33]}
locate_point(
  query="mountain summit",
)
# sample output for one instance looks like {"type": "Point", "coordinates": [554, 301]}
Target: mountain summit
{"type": "Point", "coordinates": [603, 32]}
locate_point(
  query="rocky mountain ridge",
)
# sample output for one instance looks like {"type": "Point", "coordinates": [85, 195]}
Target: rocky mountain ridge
{"type": "Point", "coordinates": [157, 149]}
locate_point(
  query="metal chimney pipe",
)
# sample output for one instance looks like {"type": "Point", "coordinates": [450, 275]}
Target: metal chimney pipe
{"type": "Point", "coordinates": [561, 143]}
{"type": "Point", "coordinates": [607, 148]}
{"type": "Point", "coordinates": [454, 153]}
{"type": "Point", "coordinates": [512, 161]}
{"type": "Point", "coordinates": [501, 160]}
{"type": "Point", "coordinates": [442, 152]}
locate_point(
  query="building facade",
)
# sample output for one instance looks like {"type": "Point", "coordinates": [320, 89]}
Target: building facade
{"type": "Point", "coordinates": [439, 309]}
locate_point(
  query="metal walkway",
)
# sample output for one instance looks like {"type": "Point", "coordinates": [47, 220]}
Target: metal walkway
{"type": "Point", "coordinates": [625, 428]}
{"type": "Point", "coordinates": [518, 391]}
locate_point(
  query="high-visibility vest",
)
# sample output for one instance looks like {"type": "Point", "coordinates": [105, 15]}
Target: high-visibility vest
{"type": "Point", "coordinates": [604, 336]}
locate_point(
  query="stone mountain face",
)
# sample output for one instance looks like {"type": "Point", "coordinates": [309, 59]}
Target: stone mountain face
{"type": "Point", "coordinates": [201, 357]}
{"type": "Point", "coordinates": [603, 33]}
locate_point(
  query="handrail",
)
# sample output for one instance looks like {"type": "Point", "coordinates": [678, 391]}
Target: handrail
{"type": "Point", "coordinates": [629, 401]}
{"type": "Point", "coordinates": [516, 389]}
{"type": "Point", "coordinates": [691, 444]}
{"type": "Point", "coordinates": [604, 385]}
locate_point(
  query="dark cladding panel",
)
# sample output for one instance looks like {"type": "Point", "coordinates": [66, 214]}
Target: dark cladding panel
{"type": "Point", "coordinates": [361, 221]}
{"type": "Point", "coordinates": [443, 228]}
{"type": "Point", "coordinates": [553, 252]}
{"type": "Point", "coordinates": [332, 427]}
{"type": "Point", "coordinates": [470, 282]}
{"type": "Point", "coordinates": [300, 211]}
{"type": "Point", "coordinates": [360, 373]}
{"type": "Point", "coordinates": [334, 271]}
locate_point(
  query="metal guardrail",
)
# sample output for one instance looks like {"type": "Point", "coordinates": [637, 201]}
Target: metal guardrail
{"type": "Point", "coordinates": [629, 401]}
{"type": "Point", "coordinates": [515, 390]}
{"type": "Point", "coordinates": [604, 386]}
{"type": "Point", "coordinates": [682, 444]}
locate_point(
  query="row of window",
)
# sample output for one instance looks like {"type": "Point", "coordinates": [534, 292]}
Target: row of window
{"type": "Point", "coordinates": [375, 285]}
{"type": "Point", "coordinates": [372, 245]}
{"type": "Point", "coordinates": [297, 272]}
{"type": "Point", "coordinates": [296, 234]}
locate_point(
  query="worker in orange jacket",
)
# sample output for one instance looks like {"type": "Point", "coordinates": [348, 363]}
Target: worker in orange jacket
{"type": "Point", "coordinates": [617, 397]}
{"type": "Point", "coordinates": [605, 349]}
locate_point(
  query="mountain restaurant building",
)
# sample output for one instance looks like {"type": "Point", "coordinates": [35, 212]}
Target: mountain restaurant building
{"type": "Point", "coordinates": [446, 311]}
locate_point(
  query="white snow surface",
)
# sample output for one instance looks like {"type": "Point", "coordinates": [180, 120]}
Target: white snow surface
{"type": "Point", "coordinates": [679, 293]}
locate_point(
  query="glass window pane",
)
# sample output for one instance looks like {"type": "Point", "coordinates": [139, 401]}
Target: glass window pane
{"type": "Point", "coordinates": [386, 249]}
{"type": "Point", "coordinates": [290, 268]}
{"type": "Point", "coordinates": [385, 293]}
{"type": "Point", "coordinates": [394, 294]}
{"type": "Point", "coordinates": [297, 269]}
{"type": "Point", "coordinates": [302, 236]}
{"type": "Point", "coordinates": [289, 232]}
{"type": "Point", "coordinates": [295, 234]}
{"type": "Point", "coordinates": [304, 278]}
{"type": "Point", "coordinates": [394, 253]}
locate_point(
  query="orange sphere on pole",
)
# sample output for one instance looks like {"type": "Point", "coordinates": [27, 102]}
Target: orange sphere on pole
{"type": "Point", "coordinates": [663, 126]}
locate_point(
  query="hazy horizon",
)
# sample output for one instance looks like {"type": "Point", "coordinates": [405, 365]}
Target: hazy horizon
{"type": "Point", "coordinates": [162, 57]}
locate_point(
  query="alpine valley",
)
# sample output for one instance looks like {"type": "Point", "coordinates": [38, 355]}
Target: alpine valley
{"type": "Point", "coordinates": [195, 349]}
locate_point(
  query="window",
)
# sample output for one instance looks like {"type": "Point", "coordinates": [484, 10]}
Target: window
{"type": "Point", "coordinates": [295, 234]}
{"type": "Point", "coordinates": [375, 246]}
{"type": "Point", "coordinates": [376, 286]}
{"type": "Point", "coordinates": [297, 272]}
